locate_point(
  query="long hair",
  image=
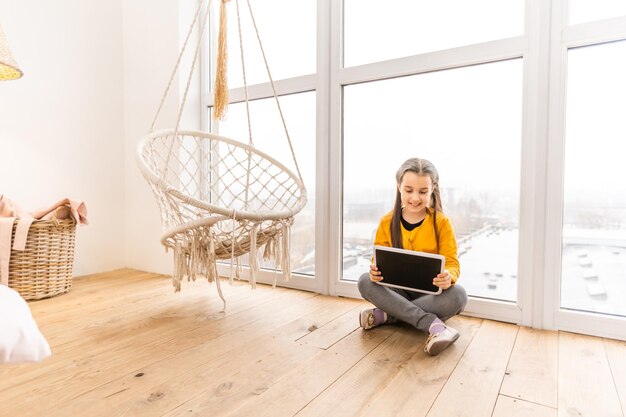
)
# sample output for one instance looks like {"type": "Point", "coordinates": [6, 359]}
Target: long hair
{"type": "Point", "coordinates": [419, 167]}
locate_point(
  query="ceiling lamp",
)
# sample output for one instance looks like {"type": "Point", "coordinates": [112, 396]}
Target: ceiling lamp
{"type": "Point", "coordinates": [8, 66]}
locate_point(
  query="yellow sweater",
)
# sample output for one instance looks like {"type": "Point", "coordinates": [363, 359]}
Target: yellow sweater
{"type": "Point", "coordinates": [423, 239]}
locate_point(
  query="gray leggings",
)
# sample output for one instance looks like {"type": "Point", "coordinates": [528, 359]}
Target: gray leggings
{"type": "Point", "coordinates": [417, 309]}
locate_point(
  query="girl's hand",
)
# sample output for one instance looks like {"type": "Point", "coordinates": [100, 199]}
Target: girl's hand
{"type": "Point", "coordinates": [443, 280]}
{"type": "Point", "coordinates": [375, 274]}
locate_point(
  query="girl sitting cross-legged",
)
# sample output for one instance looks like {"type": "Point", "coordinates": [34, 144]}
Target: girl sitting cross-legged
{"type": "Point", "coordinates": [417, 223]}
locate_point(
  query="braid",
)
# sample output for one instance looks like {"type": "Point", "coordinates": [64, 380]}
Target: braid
{"type": "Point", "coordinates": [436, 206]}
{"type": "Point", "coordinates": [396, 233]}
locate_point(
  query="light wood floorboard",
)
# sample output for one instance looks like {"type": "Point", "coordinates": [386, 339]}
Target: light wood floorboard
{"type": "Point", "coordinates": [124, 344]}
{"type": "Point", "coordinates": [514, 407]}
{"type": "Point", "coordinates": [473, 386]}
{"type": "Point", "coordinates": [586, 386]}
{"type": "Point", "coordinates": [532, 371]}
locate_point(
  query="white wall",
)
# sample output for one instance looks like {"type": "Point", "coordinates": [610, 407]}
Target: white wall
{"type": "Point", "coordinates": [154, 31]}
{"type": "Point", "coordinates": [94, 75]}
{"type": "Point", "coordinates": [61, 125]}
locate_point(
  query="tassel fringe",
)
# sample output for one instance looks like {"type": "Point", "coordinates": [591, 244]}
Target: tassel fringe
{"type": "Point", "coordinates": [286, 259]}
{"type": "Point", "coordinates": [254, 257]}
{"type": "Point", "coordinates": [221, 74]}
{"type": "Point", "coordinates": [194, 253]}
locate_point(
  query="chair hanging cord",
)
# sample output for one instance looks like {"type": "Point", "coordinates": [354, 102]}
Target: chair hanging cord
{"type": "Point", "coordinates": [180, 57]}
{"type": "Point", "coordinates": [184, 101]}
{"type": "Point", "coordinates": [269, 74]}
{"type": "Point", "coordinates": [245, 90]}
{"type": "Point", "coordinates": [191, 70]}
{"type": "Point", "coordinates": [245, 82]}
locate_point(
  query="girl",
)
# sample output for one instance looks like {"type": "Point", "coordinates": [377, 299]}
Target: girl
{"type": "Point", "coordinates": [417, 223]}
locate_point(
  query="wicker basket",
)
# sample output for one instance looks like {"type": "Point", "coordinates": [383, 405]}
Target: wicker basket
{"type": "Point", "coordinates": [44, 268]}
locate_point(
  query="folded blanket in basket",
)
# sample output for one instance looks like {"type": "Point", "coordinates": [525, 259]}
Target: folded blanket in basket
{"type": "Point", "coordinates": [10, 211]}
{"type": "Point", "coordinates": [78, 211]}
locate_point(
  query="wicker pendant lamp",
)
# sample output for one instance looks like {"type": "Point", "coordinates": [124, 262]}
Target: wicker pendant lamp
{"type": "Point", "coordinates": [8, 66]}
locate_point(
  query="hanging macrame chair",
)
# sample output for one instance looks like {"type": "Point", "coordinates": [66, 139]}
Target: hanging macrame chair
{"type": "Point", "coordinates": [220, 198]}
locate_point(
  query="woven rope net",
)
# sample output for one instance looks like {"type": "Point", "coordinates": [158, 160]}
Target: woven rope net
{"type": "Point", "coordinates": [219, 199]}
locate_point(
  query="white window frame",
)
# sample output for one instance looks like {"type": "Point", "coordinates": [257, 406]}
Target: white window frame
{"type": "Point", "coordinates": [543, 48]}
{"type": "Point", "coordinates": [526, 47]}
{"type": "Point", "coordinates": [564, 37]}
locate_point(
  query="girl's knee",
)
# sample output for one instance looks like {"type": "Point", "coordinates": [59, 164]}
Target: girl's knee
{"type": "Point", "coordinates": [460, 297]}
{"type": "Point", "coordinates": [364, 282]}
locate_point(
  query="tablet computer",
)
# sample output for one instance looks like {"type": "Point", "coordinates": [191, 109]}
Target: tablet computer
{"type": "Point", "coordinates": [409, 270]}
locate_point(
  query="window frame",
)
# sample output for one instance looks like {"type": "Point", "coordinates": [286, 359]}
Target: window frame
{"type": "Point", "coordinates": [563, 38]}
{"type": "Point", "coordinates": [543, 47]}
{"type": "Point", "coordinates": [493, 51]}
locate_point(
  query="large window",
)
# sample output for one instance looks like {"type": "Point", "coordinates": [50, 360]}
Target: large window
{"type": "Point", "coordinates": [594, 216]}
{"type": "Point", "coordinates": [519, 104]}
{"type": "Point", "coordinates": [586, 209]}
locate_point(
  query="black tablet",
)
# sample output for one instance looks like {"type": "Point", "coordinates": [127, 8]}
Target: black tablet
{"type": "Point", "coordinates": [409, 270]}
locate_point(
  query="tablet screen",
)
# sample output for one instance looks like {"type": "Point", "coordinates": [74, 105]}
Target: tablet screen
{"type": "Point", "coordinates": [408, 269]}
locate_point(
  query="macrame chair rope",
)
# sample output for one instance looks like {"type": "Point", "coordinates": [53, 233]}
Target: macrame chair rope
{"type": "Point", "coordinates": [198, 234]}
{"type": "Point", "coordinates": [176, 66]}
{"type": "Point", "coordinates": [220, 198]}
{"type": "Point", "coordinates": [202, 231]}
{"type": "Point", "coordinates": [269, 74]}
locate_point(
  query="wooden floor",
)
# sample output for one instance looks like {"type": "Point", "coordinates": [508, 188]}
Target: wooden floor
{"type": "Point", "coordinates": [124, 344]}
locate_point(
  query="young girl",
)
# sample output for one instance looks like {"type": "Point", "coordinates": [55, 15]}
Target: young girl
{"type": "Point", "coordinates": [417, 223]}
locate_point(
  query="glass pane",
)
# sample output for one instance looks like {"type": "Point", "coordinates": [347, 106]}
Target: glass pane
{"type": "Point", "coordinates": [467, 122]}
{"type": "Point", "coordinates": [377, 31]}
{"type": "Point", "coordinates": [589, 10]}
{"type": "Point", "coordinates": [594, 215]}
{"type": "Point", "coordinates": [269, 137]}
{"type": "Point", "coordinates": [288, 33]}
